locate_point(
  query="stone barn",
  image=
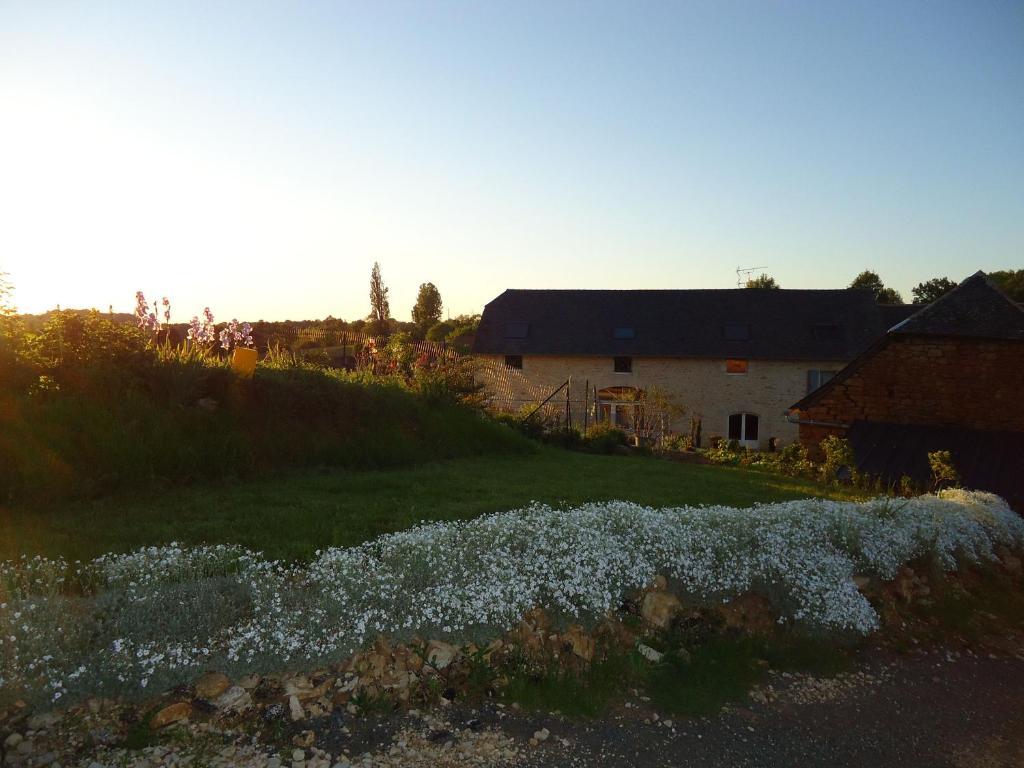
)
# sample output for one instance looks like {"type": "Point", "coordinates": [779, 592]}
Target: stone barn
{"type": "Point", "coordinates": [949, 377]}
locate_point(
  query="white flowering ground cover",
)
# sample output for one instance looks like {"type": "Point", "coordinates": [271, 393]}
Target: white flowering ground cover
{"type": "Point", "coordinates": [154, 618]}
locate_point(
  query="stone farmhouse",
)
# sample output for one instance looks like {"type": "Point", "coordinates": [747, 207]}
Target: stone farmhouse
{"type": "Point", "coordinates": [734, 359]}
{"type": "Point", "coordinates": [950, 377]}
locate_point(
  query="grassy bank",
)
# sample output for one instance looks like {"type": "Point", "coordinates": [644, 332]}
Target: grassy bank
{"type": "Point", "coordinates": [290, 515]}
{"type": "Point", "coordinates": [203, 424]}
{"type": "Point", "coordinates": [89, 406]}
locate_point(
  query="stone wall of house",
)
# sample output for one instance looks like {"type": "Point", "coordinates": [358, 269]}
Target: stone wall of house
{"type": "Point", "coordinates": [931, 381]}
{"type": "Point", "coordinates": [701, 386]}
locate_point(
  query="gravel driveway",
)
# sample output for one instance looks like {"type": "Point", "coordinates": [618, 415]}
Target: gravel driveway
{"type": "Point", "coordinates": [936, 708]}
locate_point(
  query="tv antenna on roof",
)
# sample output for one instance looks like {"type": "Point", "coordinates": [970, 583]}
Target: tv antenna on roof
{"type": "Point", "coordinates": [742, 275]}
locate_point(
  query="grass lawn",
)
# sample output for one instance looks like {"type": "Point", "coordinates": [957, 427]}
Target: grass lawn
{"type": "Point", "coordinates": [292, 515]}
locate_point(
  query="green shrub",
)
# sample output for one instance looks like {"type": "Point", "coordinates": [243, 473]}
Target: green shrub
{"type": "Point", "coordinates": [439, 331]}
{"type": "Point", "coordinates": [723, 452]}
{"type": "Point", "coordinates": [602, 437]}
{"type": "Point", "coordinates": [944, 473]}
{"type": "Point", "coordinates": [675, 442]}
{"type": "Point", "coordinates": [839, 463]}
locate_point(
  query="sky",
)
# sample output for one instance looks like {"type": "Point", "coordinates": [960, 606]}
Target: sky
{"type": "Point", "coordinates": [258, 158]}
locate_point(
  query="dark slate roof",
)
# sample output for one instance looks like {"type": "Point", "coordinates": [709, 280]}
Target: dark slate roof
{"type": "Point", "coordinates": [975, 308]}
{"type": "Point", "coordinates": [987, 461]}
{"type": "Point", "coordinates": [778, 324]}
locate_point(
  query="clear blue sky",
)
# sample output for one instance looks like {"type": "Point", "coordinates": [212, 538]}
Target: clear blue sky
{"type": "Point", "coordinates": [259, 157]}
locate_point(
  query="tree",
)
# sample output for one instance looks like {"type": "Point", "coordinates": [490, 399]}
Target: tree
{"type": "Point", "coordinates": [6, 292]}
{"type": "Point", "coordinates": [11, 329]}
{"type": "Point", "coordinates": [1011, 282]}
{"type": "Point", "coordinates": [380, 310]}
{"type": "Point", "coordinates": [439, 331]}
{"type": "Point", "coordinates": [427, 310]}
{"type": "Point", "coordinates": [870, 281]}
{"type": "Point", "coordinates": [889, 296]}
{"type": "Point", "coordinates": [930, 290]}
{"type": "Point", "coordinates": [762, 281]}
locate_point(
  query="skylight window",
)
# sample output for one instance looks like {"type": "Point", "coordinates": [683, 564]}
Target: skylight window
{"type": "Point", "coordinates": [624, 332]}
{"type": "Point", "coordinates": [735, 330]}
{"type": "Point", "coordinates": [516, 330]}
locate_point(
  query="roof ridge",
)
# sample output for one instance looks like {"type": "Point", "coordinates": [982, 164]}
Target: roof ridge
{"type": "Point", "coordinates": [773, 291]}
{"type": "Point", "coordinates": [957, 307]}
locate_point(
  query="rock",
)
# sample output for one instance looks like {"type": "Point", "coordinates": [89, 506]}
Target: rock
{"type": "Point", "coordinates": [298, 755]}
{"type": "Point", "coordinates": [13, 740]}
{"type": "Point", "coordinates": [249, 681]}
{"type": "Point", "coordinates": [659, 608]}
{"type": "Point", "coordinates": [295, 709]}
{"type": "Point", "coordinates": [350, 685]}
{"type": "Point", "coordinates": [235, 699]}
{"type": "Point", "coordinates": [103, 736]}
{"type": "Point", "coordinates": [25, 747]}
{"type": "Point", "coordinates": [542, 734]}
{"type": "Point", "coordinates": [304, 739]}
{"type": "Point", "coordinates": [173, 713]}
{"type": "Point", "coordinates": [302, 689]}
{"type": "Point", "coordinates": [440, 655]}
{"type": "Point", "coordinates": [580, 642]}
{"type": "Point", "coordinates": [43, 721]}
{"type": "Point", "coordinates": [211, 685]}
{"type": "Point", "coordinates": [649, 653]}
{"type": "Point", "coordinates": [750, 612]}
{"type": "Point", "coordinates": [207, 403]}
{"type": "Point", "coordinates": [904, 583]}
{"type": "Point", "coordinates": [273, 712]}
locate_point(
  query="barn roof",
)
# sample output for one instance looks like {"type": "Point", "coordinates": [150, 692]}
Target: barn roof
{"type": "Point", "coordinates": [745, 323]}
{"type": "Point", "coordinates": [975, 308]}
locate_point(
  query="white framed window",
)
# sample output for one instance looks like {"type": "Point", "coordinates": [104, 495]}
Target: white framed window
{"type": "Point", "coordinates": [744, 428]}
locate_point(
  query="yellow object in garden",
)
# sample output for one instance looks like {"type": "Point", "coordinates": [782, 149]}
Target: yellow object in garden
{"type": "Point", "coordinates": [243, 362]}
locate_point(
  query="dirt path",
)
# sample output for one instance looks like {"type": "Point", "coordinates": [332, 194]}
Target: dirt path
{"type": "Point", "coordinates": [929, 709]}
{"type": "Point", "coordinates": [935, 708]}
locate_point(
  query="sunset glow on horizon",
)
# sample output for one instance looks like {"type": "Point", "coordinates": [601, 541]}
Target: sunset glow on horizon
{"type": "Point", "coordinates": [259, 160]}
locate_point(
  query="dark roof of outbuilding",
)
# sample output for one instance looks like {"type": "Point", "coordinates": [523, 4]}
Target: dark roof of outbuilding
{"type": "Point", "coordinates": [778, 324]}
{"type": "Point", "coordinates": [975, 308]}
